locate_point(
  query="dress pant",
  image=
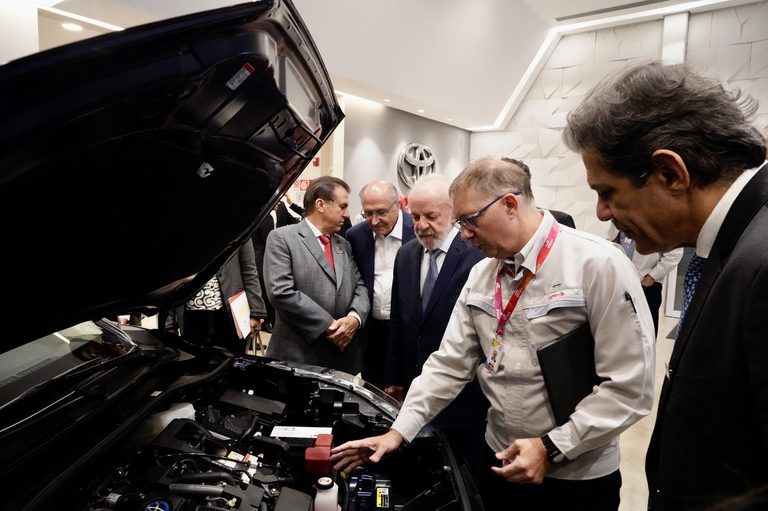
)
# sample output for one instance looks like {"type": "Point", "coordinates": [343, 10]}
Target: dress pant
{"type": "Point", "coordinates": [212, 328]}
{"type": "Point", "coordinates": [653, 297]}
{"type": "Point", "coordinates": [600, 494]}
{"type": "Point", "coordinates": [375, 353]}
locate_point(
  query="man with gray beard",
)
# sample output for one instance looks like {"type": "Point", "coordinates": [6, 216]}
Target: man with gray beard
{"type": "Point", "coordinates": [429, 274]}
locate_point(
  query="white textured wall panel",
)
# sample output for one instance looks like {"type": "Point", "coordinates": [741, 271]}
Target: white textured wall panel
{"type": "Point", "coordinates": [731, 44]}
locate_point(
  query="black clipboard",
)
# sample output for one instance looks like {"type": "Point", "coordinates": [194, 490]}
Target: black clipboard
{"type": "Point", "coordinates": [568, 367]}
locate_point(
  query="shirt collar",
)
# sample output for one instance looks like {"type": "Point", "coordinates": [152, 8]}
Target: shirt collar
{"type": "Point", "coordinates": [317, 232]}
{"type": "Point", "coordinates": [708, 233]}
{"type": "Point", "coordinates": [526, 258]}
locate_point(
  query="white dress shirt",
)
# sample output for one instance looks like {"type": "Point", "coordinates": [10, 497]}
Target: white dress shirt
{"type": "Point", "coordinates": [656, 265]}
{"type": "Point", "coordinates": [385, 250]}
{"type": "Point", "coordinates": [708, 233]}
{"type": "Point", "coordinates": [584, 279]}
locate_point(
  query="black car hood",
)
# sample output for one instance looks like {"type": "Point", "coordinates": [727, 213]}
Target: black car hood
{"type": "Point", "coordinates": [134, 164]}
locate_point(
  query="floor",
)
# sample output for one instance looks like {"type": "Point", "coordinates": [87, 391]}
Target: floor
{"type": "Point", "coordinates": [634, 441]}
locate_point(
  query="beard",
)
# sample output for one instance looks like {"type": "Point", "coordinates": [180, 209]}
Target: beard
{"type": "Point", "coordinates": [430, 239]}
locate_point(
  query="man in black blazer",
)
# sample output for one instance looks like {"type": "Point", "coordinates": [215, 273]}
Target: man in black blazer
{"type": "Point", "coordinates": [675, 163]}
{"type": "Point", "coordinates": [417, 322]}
{"type": "Point", "coordinates": [375, 243]}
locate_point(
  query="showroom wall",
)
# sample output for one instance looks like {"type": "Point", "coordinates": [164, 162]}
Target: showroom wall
{"type": "Point", "coordinates": [374, 136]}
{"type": "Point", "coordinates": [731, 44]}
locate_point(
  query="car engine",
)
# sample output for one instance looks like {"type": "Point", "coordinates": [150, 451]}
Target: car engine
{"type": "Point", "coordinates": [258, 437]}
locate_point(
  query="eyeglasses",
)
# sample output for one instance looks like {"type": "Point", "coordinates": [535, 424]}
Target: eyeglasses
{"type": "Point", "coordinates": [470, 221]}
{"type": "Point", "coordinates": [379, 213]}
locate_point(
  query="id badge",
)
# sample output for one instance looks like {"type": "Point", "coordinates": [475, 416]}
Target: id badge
{"type": "Point", "coordinates": [492, 364]}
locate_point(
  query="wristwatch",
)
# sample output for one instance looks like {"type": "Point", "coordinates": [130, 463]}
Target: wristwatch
{"type": "Point", "coordinates": [553, 453]}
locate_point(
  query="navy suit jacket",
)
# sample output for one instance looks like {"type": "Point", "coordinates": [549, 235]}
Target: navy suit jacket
{"type": "Point", "coordinates": [711, 435]}
{"type": "Point", "coordinates": [415, 335]}
{"type": "Point", "coordinates": [360, 237]}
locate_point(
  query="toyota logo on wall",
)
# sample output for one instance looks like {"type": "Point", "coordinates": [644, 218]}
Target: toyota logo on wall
{"type": "Point", "coordinates": [415, 160]}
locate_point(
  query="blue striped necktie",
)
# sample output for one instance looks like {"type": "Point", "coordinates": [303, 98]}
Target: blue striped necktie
{"type": "Point", "coordinates": [692, 276]}
{"type": "Point", "coordinates": [431, 278]}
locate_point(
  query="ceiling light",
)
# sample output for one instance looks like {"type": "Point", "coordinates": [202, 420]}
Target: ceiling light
{"type": "Point", "coordinates": [387, 100]}
{"type": "Point", "coordinates": [74, 27]}
{"type": "Point", "coordinates": [420, 111]}
{"type": "Point", "coordinates": [449, 119]}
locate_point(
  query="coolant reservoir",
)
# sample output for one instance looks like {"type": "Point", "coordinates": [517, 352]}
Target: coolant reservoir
{"type": "Point", "coordinates": [327, 497]}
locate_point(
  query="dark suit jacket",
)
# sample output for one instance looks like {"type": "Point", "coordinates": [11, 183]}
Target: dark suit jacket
{"type": "Point", "coordinates": [360, 237]}
{"type": "Point", "coordinates": [563, 218]}
{"type": "Point", "coordinates": [308, 295]}
{"type": "Point", "coordinates": [414, 336]}
{"type": "Point", "coordinates": [711, 433]}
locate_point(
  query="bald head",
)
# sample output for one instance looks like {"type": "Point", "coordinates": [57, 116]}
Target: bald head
{"type": "Point", "coordinates": [379, 199]}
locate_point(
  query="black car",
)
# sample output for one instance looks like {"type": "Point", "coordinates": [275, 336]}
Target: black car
{"type": "Point", "coordinates": [132, 166]}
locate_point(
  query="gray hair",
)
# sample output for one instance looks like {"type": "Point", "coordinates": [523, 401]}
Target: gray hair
{"type": "Point", "coordinates": [435, 185]}
{"type": "Point", "coordinates": [652, 106]}
{"type": "Point", "coordinates": [322, 188]}
{"type": "Point", "coordinates": [491, 176]}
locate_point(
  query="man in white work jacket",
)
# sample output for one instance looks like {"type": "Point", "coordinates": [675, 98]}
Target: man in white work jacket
{"type": "Point", "coordinates": [540, 281]}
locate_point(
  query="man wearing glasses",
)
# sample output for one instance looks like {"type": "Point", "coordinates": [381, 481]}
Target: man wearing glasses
{"type": "Point", "coordinates": [375, 243]}
{"type": "Point", "coordinates": [541, 281]}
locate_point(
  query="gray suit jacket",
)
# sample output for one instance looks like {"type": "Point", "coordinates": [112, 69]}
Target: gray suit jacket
{"type": "Point", "coordinates": [307, 296]}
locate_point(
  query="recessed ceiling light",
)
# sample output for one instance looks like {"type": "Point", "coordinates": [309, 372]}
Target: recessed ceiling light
{"type": "Point", "coordinates": [420, 111]}
{"type": "Point", "coordinates": [449, 119]}
{"type": "Point", "coordinates": [387, 100]}
{"type": "Point", "coordinates": [74, 27]}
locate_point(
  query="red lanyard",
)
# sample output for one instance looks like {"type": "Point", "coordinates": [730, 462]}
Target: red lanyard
{"type": "Point", "coordinates": [502, 317]}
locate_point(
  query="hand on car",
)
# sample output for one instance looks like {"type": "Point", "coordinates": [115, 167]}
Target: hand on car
{"type": "Point", "coordinates": [395, 391]}
{"type": "Point", "coordinates": [524, 461]}
{"type": "Point", "coordinates": [352, 454]}
{"type": "Point", "coordinates": [342, 331]}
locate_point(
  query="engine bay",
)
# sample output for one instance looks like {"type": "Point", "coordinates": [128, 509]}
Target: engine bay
{"type": "Point", "coordinates": [258, 437]}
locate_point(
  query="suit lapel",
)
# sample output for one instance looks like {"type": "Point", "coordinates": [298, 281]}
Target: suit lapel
{"type": "Point", "coordinates": [452, 259]}
{"type": "Point", "coordinates": [369, 253]}
{"type": "Point", "coordinates": [313, 245]}
{"type": "Point", "coordinates": [744, 208]}
{"type": "Point", "coordinates": [338, 258]}
{"type": "Point", "coordinates": [414, 276]}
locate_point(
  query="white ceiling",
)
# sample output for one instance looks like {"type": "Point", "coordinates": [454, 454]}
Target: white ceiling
{"type": "Point", "coordinates": [462, 62]}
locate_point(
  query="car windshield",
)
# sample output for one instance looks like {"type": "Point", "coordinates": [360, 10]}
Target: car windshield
{"type": "Point", "coordinates": [54, 355]}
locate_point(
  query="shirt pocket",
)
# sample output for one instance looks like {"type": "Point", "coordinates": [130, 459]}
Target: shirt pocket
{"type": "Point", "coordinates": [541, 306]}
{"type": "Point", "coordinates": [483, 313]}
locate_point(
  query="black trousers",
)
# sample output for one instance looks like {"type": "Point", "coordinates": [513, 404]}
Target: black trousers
{"type": "Point", "coordinates": [600, 494]}
{"type": "Point", "coordinates": [653, 297]}
{"type": "Point", "coordinates": [375, 352]}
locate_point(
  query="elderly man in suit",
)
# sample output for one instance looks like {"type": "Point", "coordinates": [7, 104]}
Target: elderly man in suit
{"type": "Point", "coordinates": [313, 284]}
{"type": "Point", "coordinates": [423, 295]}
{"type": "Point", "coordinates": [675, 163]}
{"type": "Point", "coordinates": [375, 243]}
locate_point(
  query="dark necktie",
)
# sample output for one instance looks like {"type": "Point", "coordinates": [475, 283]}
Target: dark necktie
{"type": "Point", "coordinates": [325, 239]}
{"type": "Point", "coordinates": [429, 281]}
{"type": "Point", "coordinates": [692, 275]}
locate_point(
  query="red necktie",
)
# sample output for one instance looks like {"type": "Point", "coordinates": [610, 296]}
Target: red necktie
{"type": "Point", "coordinates": [325, 239]}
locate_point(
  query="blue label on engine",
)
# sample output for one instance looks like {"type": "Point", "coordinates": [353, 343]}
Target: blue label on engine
{"type": "Point", "coordinates": [158, 505]}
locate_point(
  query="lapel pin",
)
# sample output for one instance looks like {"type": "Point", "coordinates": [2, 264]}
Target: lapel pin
{"type": "Point", "coordinates": [338, 250]}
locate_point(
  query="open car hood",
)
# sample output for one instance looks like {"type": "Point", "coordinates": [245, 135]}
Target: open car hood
{"type": "Point", "coordinates": [134, 164]}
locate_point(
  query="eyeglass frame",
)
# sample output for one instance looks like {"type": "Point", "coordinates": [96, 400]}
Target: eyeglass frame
{"type": "Point", "coordinates": [379, 213]}
{"type": "Point", "coordinates": [470, 221]}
